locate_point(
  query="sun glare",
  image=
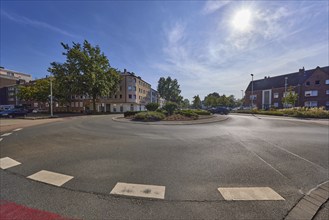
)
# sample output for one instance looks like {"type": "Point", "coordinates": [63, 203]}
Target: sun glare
{"type": "Point", "coordinates": [241, 20]}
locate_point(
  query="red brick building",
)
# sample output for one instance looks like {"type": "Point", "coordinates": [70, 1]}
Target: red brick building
{"type": "Point", "coordinates": [311, 86]}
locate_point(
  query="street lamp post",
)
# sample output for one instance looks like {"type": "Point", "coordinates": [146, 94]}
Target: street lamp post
{"type": "Point", "coordinates": [252, 91]}
{"type": "Point", "coordinates": [285, 89]}
{"type": "Point", "coordinates": [51, 98]}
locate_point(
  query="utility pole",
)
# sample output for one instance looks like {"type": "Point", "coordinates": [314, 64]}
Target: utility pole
{"type": "Point", "coordinates": [252, 91]}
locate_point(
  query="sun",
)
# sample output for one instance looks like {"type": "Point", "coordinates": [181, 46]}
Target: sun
{"type": "Point", "coordinates": [241, 20]}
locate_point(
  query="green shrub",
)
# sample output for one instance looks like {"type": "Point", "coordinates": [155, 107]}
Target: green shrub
{"type": "Point", "coordinates": [201, 112]}
{"type": "Point", "coordinates": [170, 107]}
{"type": "Point", "coordinates": [187, 113]}
{"type": "Point", "coordinates": [130, 113]}
{"type": "Point", "coordinates": [161, 110]}
{"type": "Point", "coordinates": [149, 116]}
{"type": "Point", "coordinates": [152, 106]}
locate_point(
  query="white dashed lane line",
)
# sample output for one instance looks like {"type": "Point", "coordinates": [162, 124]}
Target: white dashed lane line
{"type": "Point", "coordinates": [7, 162]}
{"type": "Point", "coordinates": [6, 134]}
{"type": "Point", "coordinates": [249, 193]}
{"type": "Point", "coordinates": [49, 177]}
{"type": "Point", "coordinates": [18, 129]}
{"type": "Point", "coordinates": [139, 190]}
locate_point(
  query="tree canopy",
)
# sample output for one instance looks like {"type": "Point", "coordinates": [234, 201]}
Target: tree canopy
{"type": "Point", "coordinates": [86, 71]}
{"type": "Point", "coordinates": [290, 97]}
{"type": "Point", "coordinates": [169, 90]}
{"type": "Point", "coordinates": [196, 103]}
{"type": "Point", "coordinates": [214, 100]}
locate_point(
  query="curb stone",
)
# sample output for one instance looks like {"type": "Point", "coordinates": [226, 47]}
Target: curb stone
{"type": "Point", "coordinates": [310, 204]}
{"type": "Point", "coordinates": [200, 121]}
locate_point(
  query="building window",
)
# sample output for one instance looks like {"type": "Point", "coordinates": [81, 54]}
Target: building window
{"type": "Point", "coordinates": [317, 82]}
{"type": "Point", "coordinates": [120, 88]}
{"type": "Point", "coordinates": [120, 96]}
{"type": "Point", "coordinates": [327, 81]}
{"type": "Point", "coordinates": [253, 97]}
{"type": "Point", "coordinates": [276, 95]}
{"type": "Point", "coordinates": [311, 104]}
{"type": "Point", "coordinates": [308, 83]}
{"type": "Point", "coordinates": [276, 104]}
{"type": "Point", "coordinates": [134, 96]}
{"type": "Point", "coordinates": [115, 96]}
{"type": "Point", "coordinates": [130, 96]}
{"type": "Point", "coordinates": [81, 104]}
{"type": "Point", "coordinates": [327, 92]}
{"type": "Point", "coordinates": [311, 93]}
{"type": "Point", "coordinates": [327, 103]}
{"type": "Point", "coordinates": [129, 88]}
{"type": "Point", "coordinates": [114, 107]}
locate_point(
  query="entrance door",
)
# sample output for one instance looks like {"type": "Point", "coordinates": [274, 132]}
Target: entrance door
{"type": "Point", "coordinates": [267, 99]}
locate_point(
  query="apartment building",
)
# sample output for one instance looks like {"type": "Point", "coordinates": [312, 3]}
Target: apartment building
{"type": "Point", "coordinates": [311, 86]}
{"type": "Point", "coordinates": [133, 94]}
{"type": "Point", "coordinates": [8, 81]}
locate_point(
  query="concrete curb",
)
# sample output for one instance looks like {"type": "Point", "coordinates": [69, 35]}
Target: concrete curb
{"type": "Point", "coordinates": [199, 121]}
{"type": "Point", "coordinates": [310, 204]}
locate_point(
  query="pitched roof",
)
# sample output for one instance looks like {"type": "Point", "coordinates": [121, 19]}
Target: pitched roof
{"type": "Point", "coordinates": [294, 79]}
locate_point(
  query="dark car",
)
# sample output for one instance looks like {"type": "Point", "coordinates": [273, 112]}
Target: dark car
{"type": "Point", "coordinates": [13, 113]}
{"type": "Point", "coordinates": [219, 110]}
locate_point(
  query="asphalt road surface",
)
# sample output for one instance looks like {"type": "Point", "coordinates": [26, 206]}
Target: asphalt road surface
{"type": "Point", "coordinates": [189, 161]}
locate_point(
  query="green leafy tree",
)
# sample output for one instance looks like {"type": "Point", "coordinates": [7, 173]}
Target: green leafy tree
{"type": "Point", "coordinates": [170, 107]}
{"type": "Point", "coordinates": [152, 106]}
{"type": "Point", "coordinates": [290, 97]}
{"type": "Point", "coordinates": [185, 103]}
{"type": "Point", "coordinates": [26, 92]}
{"type": "Point", "coordinates": [169, 90]}
{"type": "Point", "coordinates": [197, 102]}
{"type": "Point", "coordinates": [86, 71]}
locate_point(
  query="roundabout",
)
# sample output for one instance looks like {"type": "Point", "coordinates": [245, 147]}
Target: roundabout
{"type": "Point", "coordinates": [233, 167]}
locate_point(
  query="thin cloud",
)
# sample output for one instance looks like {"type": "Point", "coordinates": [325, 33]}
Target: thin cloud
{"type": "Point", "coordinates": [212, 6]}
{"type": "Point", "coordinates": [35, 23]}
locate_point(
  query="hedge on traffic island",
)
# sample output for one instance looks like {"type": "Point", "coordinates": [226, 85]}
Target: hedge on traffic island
{"type": "Point", "coordinates": [299, 112]}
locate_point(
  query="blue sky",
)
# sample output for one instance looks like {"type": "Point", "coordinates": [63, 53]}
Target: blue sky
{"type": "Point", "coordinates": [209, 46]}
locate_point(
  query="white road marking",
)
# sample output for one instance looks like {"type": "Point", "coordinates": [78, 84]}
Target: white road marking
{"type": "Point", "coordinates": [18, 129]}
{"type": "Point", "coordinates": [249, 193]}
{"type": "Point", "coordinates": [6, 134]}
{"type": "Point", "coordinates": [1, 139]}
{"type": "Point", "coordinates": [7, 162]}
{"type": "Point", "coordinates": [139, 190]}
{"type": "Point", "coordinates": [52, 178]}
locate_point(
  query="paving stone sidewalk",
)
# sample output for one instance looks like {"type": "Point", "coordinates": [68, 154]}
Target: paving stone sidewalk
{"type": "Point", "coordinates": [313, 205]}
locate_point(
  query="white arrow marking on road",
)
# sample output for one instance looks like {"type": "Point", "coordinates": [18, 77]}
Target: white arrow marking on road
{"type": "Point", "coordinates": [6, 134]}
{"type": "Point", "coordinates": [18, 129]}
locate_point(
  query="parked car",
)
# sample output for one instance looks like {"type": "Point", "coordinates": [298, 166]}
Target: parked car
{"type": "Point", "coordinates": [39, 111]}
{"type": "Point", "coordinates": [13, 113]}
{"type": "Point", "coordinates": [219, 110]}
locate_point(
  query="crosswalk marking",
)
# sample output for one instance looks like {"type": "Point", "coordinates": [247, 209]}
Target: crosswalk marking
{"type": "Point", "coordinates": [49, 177]}
{"type": "Point", "coordinates": [139, 190]}
{"type": "Point", "coordinates": [249, 193]}
{"type": "Point", "coordinates": [6, 134]}
{"type": "Point", "coordinates": [18, 129]}
{"type": "Point", "coordinates": [7, 162]}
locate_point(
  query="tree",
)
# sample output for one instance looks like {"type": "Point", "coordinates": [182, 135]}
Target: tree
{"type": "Point", "coordinates": [152, 106]}
{"type": "Point", "coordinates": [170, 107]}
{"type": "Point", "coordinates": [86, 71]}
{"type": "Point", "coordinates": [185, 103]}
{"type": "Point", "coordinates": [290, 97]}
{"type": "Point", "coordinates": [169, 90]}
{"type": "Point", "coordinates": [196, 102]}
